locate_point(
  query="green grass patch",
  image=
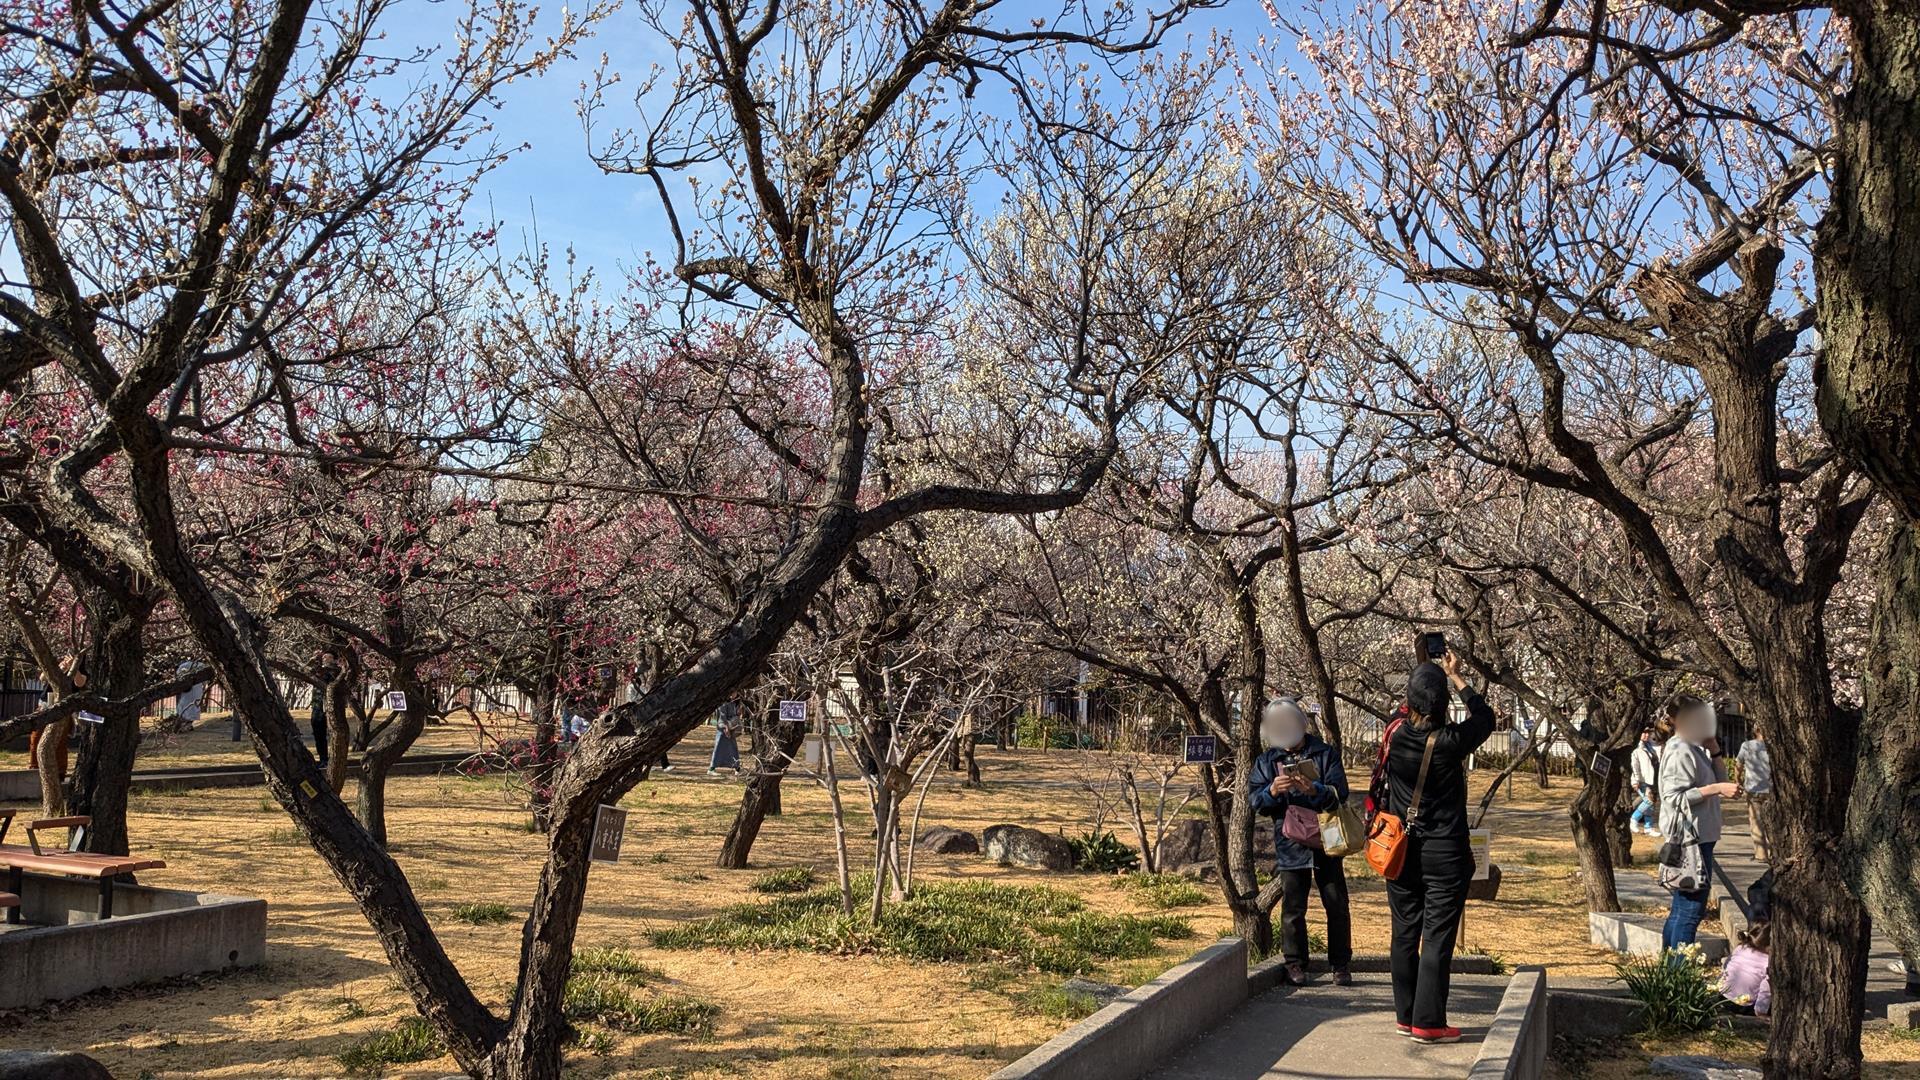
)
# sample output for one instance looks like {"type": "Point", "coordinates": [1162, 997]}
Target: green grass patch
{"type": "Point", "coordinates": [1162, 890]}
{"type": "Point", "coordinates": [969, 922]}
{"type": "Point", "coordinates": [614, 1002]}
{"type": "Point", "coordinates": [413, 1039]}
{"type": "Point", "coordinates": [483, 914]}
{"type": "Point", "coordinates": [1057, 1003]}
{"type": "Point", "coordinates": [793, 879]}
{"type": "Point", "coordinates": [607, 960]}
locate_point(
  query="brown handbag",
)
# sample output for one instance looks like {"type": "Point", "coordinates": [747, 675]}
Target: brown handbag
{"type": "Point", "coordinates": [1387, 834]}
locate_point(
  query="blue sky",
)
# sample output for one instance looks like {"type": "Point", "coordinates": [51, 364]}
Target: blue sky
{"type": "Point", "coordinates": [612, 221]}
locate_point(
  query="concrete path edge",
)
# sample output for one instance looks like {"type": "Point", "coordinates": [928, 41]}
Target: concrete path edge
{"type": "Point", "coordinates": [1521, 1033]}
{"type": "Point", "coordinates": [1136, 1032]}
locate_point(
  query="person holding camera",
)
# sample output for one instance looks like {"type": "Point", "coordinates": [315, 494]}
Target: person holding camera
{"type": "Point", "coordinates": [1427, 789]}
{"type": "Point", "coordinates": [1298, 776]}
{"type": "Point", "coordinates": [1690, 792]}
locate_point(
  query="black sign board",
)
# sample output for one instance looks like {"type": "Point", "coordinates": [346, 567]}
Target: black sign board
{"type": "Point", "coordinates": [1202, 749]}
{"type": "Point", "coordinates": [609, 828]}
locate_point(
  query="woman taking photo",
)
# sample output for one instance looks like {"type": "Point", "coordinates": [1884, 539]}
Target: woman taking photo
{"type": "Point", "coordinates": [1297, 777]}
{"type": "Point", "coordinates": [1427, 788]}
{"type": "Point", "coordinates": [1690, 794]}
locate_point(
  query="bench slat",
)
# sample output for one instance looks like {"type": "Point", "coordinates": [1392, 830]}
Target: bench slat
{"type": "Point", "coordinates": [75, 864]}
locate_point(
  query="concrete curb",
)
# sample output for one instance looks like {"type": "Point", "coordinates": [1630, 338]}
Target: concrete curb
{"type": "Point", "coordinates": [161, 933]}
{"type": "Point", "coordinates": [1128, 1038]}
{"type": "Point", "coordinates": [1521, 1033]}
{"type": "Point", "coordinates": [1579, 1014]}
{"type": "Point", "coordinates": [23, 785]}
{"type": "Point", "coordinates": [1639, 935]}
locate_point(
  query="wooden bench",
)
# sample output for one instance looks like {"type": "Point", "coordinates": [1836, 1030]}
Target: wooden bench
{"type": "Point", "coordinates": [64, 861]}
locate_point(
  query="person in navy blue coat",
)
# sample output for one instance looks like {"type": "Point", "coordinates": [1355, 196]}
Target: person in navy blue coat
{"type": "Point", "coordinates": [1280, 779]}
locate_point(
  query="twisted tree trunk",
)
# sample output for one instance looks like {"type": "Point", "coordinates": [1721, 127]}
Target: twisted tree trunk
{"type": "Point", "coordinates": [762, 795]}
{"type": "Point", "coordinates": [104, 752]}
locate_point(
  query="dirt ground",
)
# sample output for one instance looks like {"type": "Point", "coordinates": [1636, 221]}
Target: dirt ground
{"type": "Point", "coordinates": [326, 983]}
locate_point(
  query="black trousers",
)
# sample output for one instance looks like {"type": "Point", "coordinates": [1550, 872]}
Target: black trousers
{"type": "Point", "coordinates": [1331, 875]}
{"type": "Point", "coordinates": [1427, 899]}
{"type": "Point", "coordinates": [318, 718]}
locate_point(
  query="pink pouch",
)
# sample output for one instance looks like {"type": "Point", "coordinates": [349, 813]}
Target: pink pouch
{"type": "Point", "coordinates": [1302, 826]}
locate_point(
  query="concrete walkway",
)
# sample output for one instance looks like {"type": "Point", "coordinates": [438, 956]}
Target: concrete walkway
{"type": "Point", "coordinates": [1324, 1032]}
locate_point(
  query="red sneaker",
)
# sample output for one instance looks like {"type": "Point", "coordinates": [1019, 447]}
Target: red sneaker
{"type": "Point", "coordinates": [1436, 1035]}
{"type": "Point", "coordinates": [1405, 1031]}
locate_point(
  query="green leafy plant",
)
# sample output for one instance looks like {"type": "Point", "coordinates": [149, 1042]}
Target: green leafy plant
{"type": "Point", "coordinates": [1675, 992]}
{"type": "Point", "coordinates": [1162, 890]}
{"type": "Point", "coordinates": [613, 961]}
{"type": "Point", "coordinates": [412, 1040]}
{"type": "Point", "coordinates": [617, 1003]}
{"type": "Point", "coordinates": [793, 879]}
{"type": "Point", "coordinates": [1057, 1003]}
{"type": "Point", "coordinates": [483, 914]}
{"type": "Point", "coordinates": [965, 922]}
{"type": "Point", "coordinates": [1045, 732]}
{"type": "Point", "coordinates": [1103, 852]}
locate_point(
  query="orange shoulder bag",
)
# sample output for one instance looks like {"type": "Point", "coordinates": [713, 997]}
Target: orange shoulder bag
{"type": "Point", "coordinates": [1387, 834]}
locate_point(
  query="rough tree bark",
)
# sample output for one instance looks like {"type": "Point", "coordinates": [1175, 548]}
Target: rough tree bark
{"type": "Point", "coordinates": [388, 745]}
{"type": "Point", "coordinates": [1884, 817]}
{"type": "Point", "coordinates": [103, 753]}
{"type": "Point", "coordinates": [762, 796]}
{"type": "Point", "coordinates": [1866, 262]}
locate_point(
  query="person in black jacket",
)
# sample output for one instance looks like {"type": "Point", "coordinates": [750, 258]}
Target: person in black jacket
{"type": "Point", "coordinates": [1431, 891]}
{"type": "Point", "coordinates": [1299, 769]}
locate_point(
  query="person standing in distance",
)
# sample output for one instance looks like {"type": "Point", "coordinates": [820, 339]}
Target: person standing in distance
{"type": "Point", "coordinates": [1646, 784]}
{"type": "Point", "coordinates": [1429, 754]}
{"type": "Point", "coordinates": [1756, 780]}
{"type": "Point", "coordinates": [1300, 770]}
{"type": "Point", "coordinates": [1690, 794]}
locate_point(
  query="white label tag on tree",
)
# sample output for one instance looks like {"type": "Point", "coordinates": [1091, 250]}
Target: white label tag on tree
{"type": "Point", "coordinates": [793, 712]}
{"type": "Point", "coordinates": [89, 717]}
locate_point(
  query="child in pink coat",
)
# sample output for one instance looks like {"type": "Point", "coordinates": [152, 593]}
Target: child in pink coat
{"type": "Point", "coordinates": [1745, 980]}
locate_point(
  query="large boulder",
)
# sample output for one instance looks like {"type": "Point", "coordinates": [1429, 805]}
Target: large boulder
{"type": "Point", "coordinates": [50, 1065]}
{"type": "Point", "coordinates": [944, 840]}
{"type": "Point", "coordinates": [1187, 843]}
{"type": "Point", "coordinates": [1018, 845]}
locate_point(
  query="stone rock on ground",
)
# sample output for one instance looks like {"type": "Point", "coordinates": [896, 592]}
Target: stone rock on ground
{"type": "Point", "coordinates": [50, 1065]}
{"type": "Point", "coordinates": [1029, 848]}
{"type": "Point", "coordinates": [945, 840]}
{"type": "Point", "coordinates": [1187, 848]}
{"type": "Point", "coordinates": [1098, 991]}
{"type": "Point", "coordinates": [1700, 1067]}
{"type": "Point", "coordinates": [1186, 842]}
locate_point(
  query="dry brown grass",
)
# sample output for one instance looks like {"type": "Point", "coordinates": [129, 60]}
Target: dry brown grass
{"type": "Point", "coordinates": [327, 985]}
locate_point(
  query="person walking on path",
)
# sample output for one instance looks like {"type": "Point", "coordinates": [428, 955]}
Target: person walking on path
{"type": "Point", "coordinates": [1646, 783]}
{"type": "Point", "coordinates": [1690, 794]}
{"type": "Point", "coordinates": [726, 740]}
{"type": "Point", "coordinates": [1297, 777]}
{"type": "Point", "coordinates": [1756, 780]}
{"type": "Point", "coordinates": [1427, 787]}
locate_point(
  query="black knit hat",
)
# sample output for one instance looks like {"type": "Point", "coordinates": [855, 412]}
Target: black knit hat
{"type": "Point", "coordinates": [1427, 693]}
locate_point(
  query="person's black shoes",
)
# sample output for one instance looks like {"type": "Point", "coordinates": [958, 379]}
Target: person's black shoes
{"type": "Point", "coordinates": [1342, 977]}
{"type": "Point", "coordinates": [1296, 974]}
